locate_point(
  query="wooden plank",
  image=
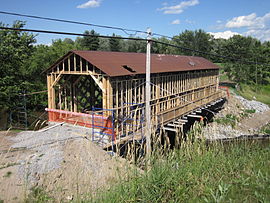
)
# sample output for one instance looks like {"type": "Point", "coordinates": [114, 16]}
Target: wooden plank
{"type": "Point", "coordinates": [49, 91]}
{"type": "Point", "coordinates": [99, 83]}
{"type": "Point", "coordinates": [170, 129]}
{"type": "Point", "coordinates": [53, 106]}
{"type": "Point", "coordinates": [110, 94]}
{"type": "Point", "coordinates": [104, 93]}
{"type": "Point", "coordinates": [176, 125]}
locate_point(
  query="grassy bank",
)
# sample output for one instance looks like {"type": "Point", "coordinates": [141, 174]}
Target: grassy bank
{"type": "Point", "coordinates": [236, 172]}
{"type": "Point", "coordinates": [260, 92]}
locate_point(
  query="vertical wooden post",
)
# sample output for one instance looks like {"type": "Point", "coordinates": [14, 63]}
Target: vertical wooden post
{"type": "Point", "coordinates": [49, 91]}
{"type": "Point", "coordinates": [52, 93]}
{"type": "Point", "coordinates": [109, 94]}
{"type": "Point", "coordinates": [147, 96]}
{"type": "Point", "coordinates": [104, 93]}
{"type": "Point", "coordinates": [75, 105]}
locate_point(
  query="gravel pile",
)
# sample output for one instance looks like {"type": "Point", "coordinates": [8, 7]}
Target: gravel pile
{"type": "Point", "coordinates": [258, 106]}
{"type": "Point", "coordinates": [215, 132]}
{"type": "Point", "coordinates": [47, 147]}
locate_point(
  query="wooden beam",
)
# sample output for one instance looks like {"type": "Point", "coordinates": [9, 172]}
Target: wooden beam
{"type": "Point", "coordinates": [56, 79]}
{"type": "Point", "coordinates": [170, 129]}
{"type": "Point", "coordinates": [99, 83]}
{"type": "Point", "coordinates": [174, 125]}
{"type": "Point", "coordinates": [109, 94]}
{"type": "Point", "coordinates": [52, 92]}
{"type": "Point", "coordinates": [104, 93]}
{"type": "Point", "coordinates": [49, 91]}
{"type": "Point", "coordinates": [194, 116]}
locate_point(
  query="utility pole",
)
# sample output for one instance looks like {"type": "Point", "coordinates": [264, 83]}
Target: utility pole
{"type": "Point", "coordinates": [147, 97]}
{"type": "Point", "coordinates": [256, 75]}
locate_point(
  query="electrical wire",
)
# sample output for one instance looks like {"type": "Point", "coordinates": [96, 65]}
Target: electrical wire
{"type": "Point", "coordinates": [160, 35]}
{"type": "Point", "coordinates": [125, 30]}
{"type": "Point", "coordinates": [70, 33]}
{"type": "Point", "coordinates": [210, 54]}
{"type": "Point", "coordinates": [136, 39]}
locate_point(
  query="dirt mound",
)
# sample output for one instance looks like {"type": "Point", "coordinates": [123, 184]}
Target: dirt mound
{"type": "Point", "coordinates": [85, 169]}
{"type": "Point", "coordinates": [236, 112]}
{"type": "Point", "coordinates": [60, 160]}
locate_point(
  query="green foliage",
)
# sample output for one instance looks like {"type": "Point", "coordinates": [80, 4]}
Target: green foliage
{"type": "Point", "coordinates": [235, 172]}
{"type": "Point", "coordinates": [8, 174]}
{"type": "Point", "coordinates": [114, 43]}
{"type": "Point", "coordinates": [136, 46]}
{"type": "Point", "coordinates": [38, 195]}
{"type": "Point", "coordinates": [15, 48]}
{"type": "Point", "coordinates": [229, 119]}
{"type": "Point", "coordinates": [198, 40]}
{"type": "Point", "coordinates": [89, 42]}
{"type": "Point", "coordinates": [265, 129]}
{"type": "Point", "coordinates": [248, 49]}
{"type": "Point", "coordinates": [258, 92]}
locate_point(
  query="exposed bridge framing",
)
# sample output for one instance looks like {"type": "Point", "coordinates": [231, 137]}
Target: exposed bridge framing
{"type": "Point", "coordinates": [81, 80]}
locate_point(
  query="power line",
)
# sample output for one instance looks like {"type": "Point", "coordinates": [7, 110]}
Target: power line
{"type": "Point", "coordinates": [70, 33]}
{"type": "Point", "coordinates": [132, 38]}
{"type": "Point", "coordinates": [125, 30]}
{"type": "Point", "coordinates": [210, 54]}
{"type": "Point", "coordinates": [160, 35]}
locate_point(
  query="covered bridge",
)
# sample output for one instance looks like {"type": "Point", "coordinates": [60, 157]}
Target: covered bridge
{"type": "Point", "coordinates": [112, 84]}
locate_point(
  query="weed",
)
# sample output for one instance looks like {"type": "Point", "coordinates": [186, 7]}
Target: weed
{"type": "Point", "coordinates": [8, 165]}
{"type": "Point", "coordinates": [8, 174]}
{"type": "Point", "coordinates": [41, 155]}
{"type": "Point", "coordinates": [37, 194]}
{"type": "Point", "coordinates": [265, 129]}
{"type": "Point", "coordinates": [229, 119]}
{"type": "Point", "coordinates": [249, 111]}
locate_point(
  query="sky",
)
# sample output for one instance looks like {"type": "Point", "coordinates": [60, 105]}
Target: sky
{"type": "Point", "coordinates": [221, 18]}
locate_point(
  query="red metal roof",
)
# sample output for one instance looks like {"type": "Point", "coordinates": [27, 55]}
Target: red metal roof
{"type": "Point", "coordinates": [112, 63]}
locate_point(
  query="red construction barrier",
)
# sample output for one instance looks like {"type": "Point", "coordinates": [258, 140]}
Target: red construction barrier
{"type": "Point", "coordinates": [82, 119]}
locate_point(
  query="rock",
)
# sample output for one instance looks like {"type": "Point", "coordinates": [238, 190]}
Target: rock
{"type": "Point", "coordinates": [256, 105]}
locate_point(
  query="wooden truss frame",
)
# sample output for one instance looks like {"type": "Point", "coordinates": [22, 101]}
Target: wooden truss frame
{"type": "Point", "coordinates": [173, 94]}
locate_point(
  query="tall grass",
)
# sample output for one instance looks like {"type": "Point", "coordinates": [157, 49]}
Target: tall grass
{"type": "Point", "coordinates": [200, 172]}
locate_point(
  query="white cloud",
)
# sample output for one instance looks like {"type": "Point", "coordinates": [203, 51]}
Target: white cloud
{"type": "Point", "coordinates": [175, 22]}
{"type": "Point", "coordinates": [249, 21]}
{"type": "Point", "coordinates": [179, 8]}
{"type": "Point", "coordinates": [90, 4]}
{"type": "Point", "coordinates": [224, 35]}
{"type": "Point", "coordinates": [261, 34]}
{"type": "Point", "coordinates": [256, 26]}
{"type": "Point", "coordinates": [219, 21]}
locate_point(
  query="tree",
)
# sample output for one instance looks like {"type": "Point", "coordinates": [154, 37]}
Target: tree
{"type": "Point", "coordinates": [136, 46]}
{"type": "Point", "coordinates": [89, 42]}
{"type": "Point", "coordinates": [15, 48]}
{"type": "Point", "coordinates": [161, 48]}
{"type": "Point", "coordinates": [241, 49]}
{"type": "Point", "coordinates": [197, 40]}
{"type": "Point", "coordinates": [114, 43]}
